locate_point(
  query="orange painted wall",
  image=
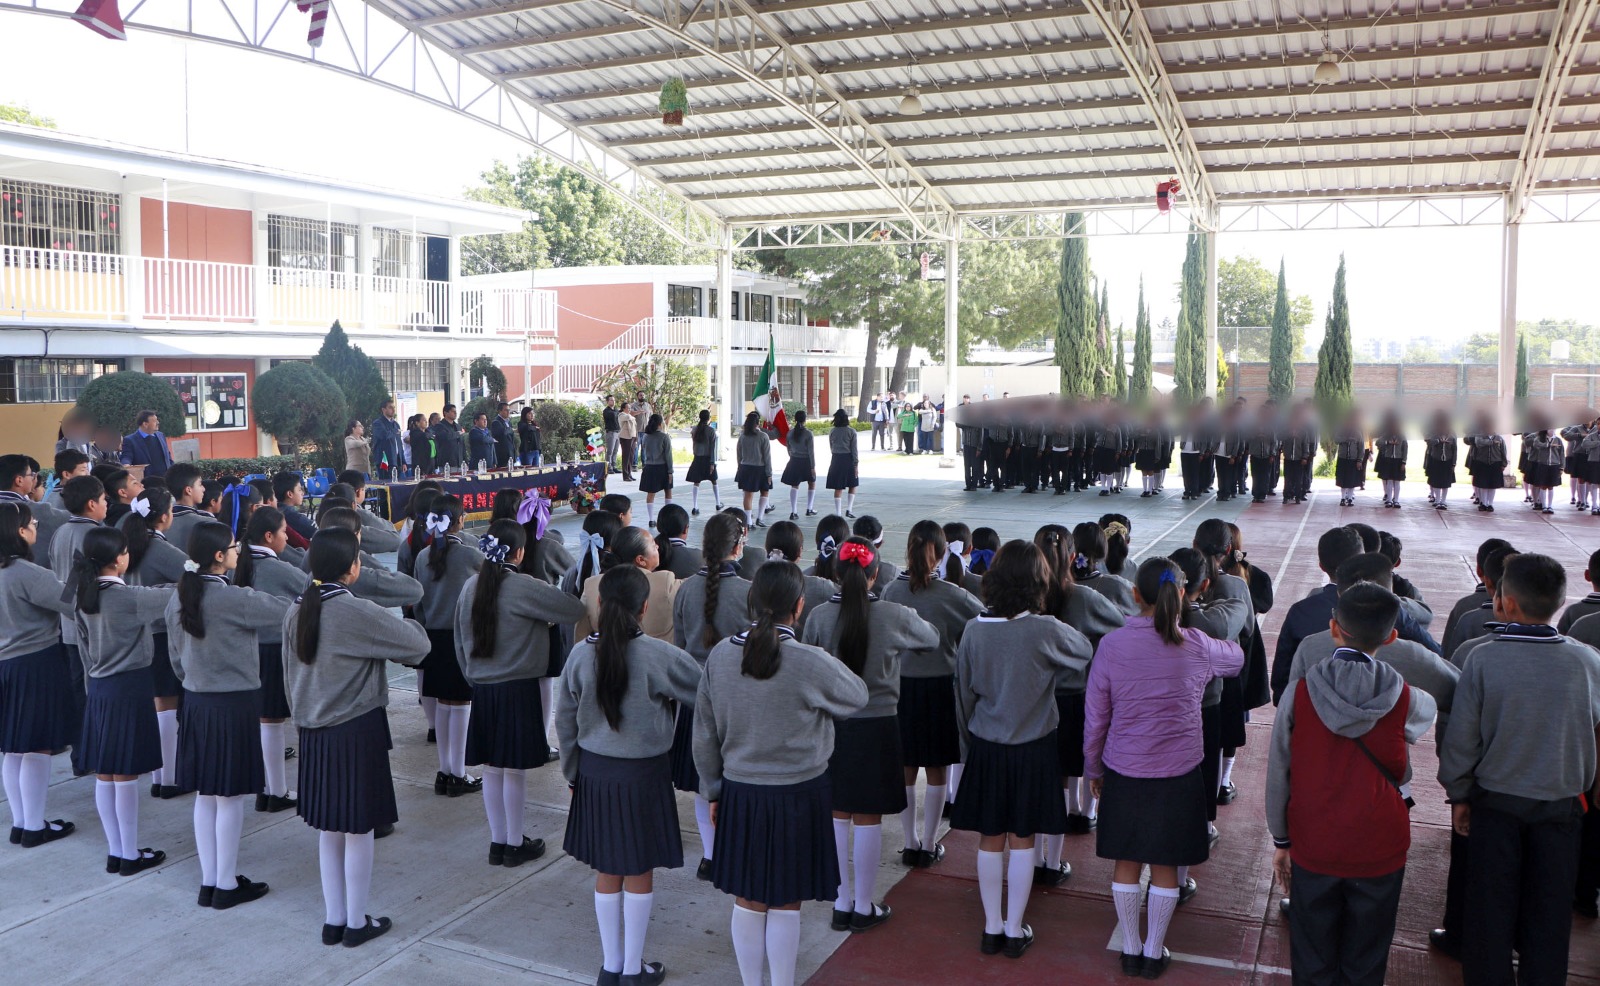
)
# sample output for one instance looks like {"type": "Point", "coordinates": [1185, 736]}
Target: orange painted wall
{"type": "Point", "coordinates": [217, 444]}
{"type": "Point", "coordinates": [593, 315]}
{"type": "Point", "coordinates": [196, 232]}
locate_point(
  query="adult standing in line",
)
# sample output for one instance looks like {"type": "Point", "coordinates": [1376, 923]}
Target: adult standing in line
{"type": "Point", "coordinates": [357, 448]}
{"type": "Point", "coordinates": [422, 445]}
{"type": "Point", "coordinates": [447, 439]}
{"type": "Point", "coordinates": [386, 451]}
{"type": "Point", "coordinates": [971, 433]}
{"type": "Point", "coordinates": [147, 446]}
{"type": "Point", "coordinates": [481, 445]}
{"type": "Point", "coordinates": [878, 413]}
{"type": "Point", "coordinates": [641, 411]}
{"type": "Point", "coordinates": [612, 427]}
{"type": "Point", "coordinates": [628, 438]}
{"type": "Point", "coordinates": [505, 436]}
{"type": "Point", "coordinates": [529, 444]}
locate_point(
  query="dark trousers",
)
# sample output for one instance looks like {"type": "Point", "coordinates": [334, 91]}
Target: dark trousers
{"type": "Point", "coordinates": [971, 466]}
{"type": "Point", "coordinates": [1241, 473]}
{"type": "Point", "coordinates": [1061, 469]}
{"type": "Point", "coordinates": [1227, 477]}
{"type": "Point", "coordinates": [994, 454]}
{"type": "Point", "coordinates": [627, 446]}
{"type": "Point", "coordinates": [1340, 928]}
{"type": "Point", "coordinates": [1297, 478]}
{"type": "Point", "coordinates": [80, 698]}
{"type": "Point", "coordinates": [1455, 889]}
{"type": "Point", "coordinates": [1027, 463]}
{"type": "Point", "coordinates": [1273, 474]}
{"type": "Point", "coordinates": [1589, 860]}
{"type": "Point", "coordinates": [1522, 863]}
{"type": "Point", "coordinates": [907, 439]}
{"type": "Point", "coordinates": [1190, 463]}
{"type": "Point", "coordinates": [1261, 470]}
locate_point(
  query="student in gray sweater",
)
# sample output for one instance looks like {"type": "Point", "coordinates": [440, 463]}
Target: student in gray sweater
{"type": "Point", "coordinates": [1588, 605]}
{"type": "Point", "coordinates": [443, 568]}
{"type": "Point", "coordinates": [378, 583]}
{"type": "Point", "coordinates": [335, 646]}
{"type": "Point", "coordinates": [868, 636]}
{"type": "Point", "coordinates": [930, 739]}
{"type": "Point", "coordinates": [655, 450]}
{"type": "Point", "coordinates": [871, 528]}
{"type": "Point", "coordinates": [763, 733]}
{"type": "Point", "coordinates": [1516, 759]}
{"type": "Point", "coordinates": [785, 542]}
{"type": "Point", "coordinates": [1010, 664]}
{"type": "Point", "coordinates": [1480, 593]}
{"type": "Point", "coordinates": [1475, 622]}
{"type": "Point", "coordinates": [502, 641]}
{"type": "Point", "coordinates": [265, 570]}
{"type": "Point", "coordinates": [844, 460]}
{"type": "Point", "coordinates": [1089, 545]}
{"type": "Point", "coordinates": [153, 560]}
{"type": "Point", "coordinates": [703, 466]}
{"type": "Point", "coordinates": [615, 709]}
{"type": "Point", "coordinates": [801, 467]}
{"type": "Point", "coordinates": [120, 739]}
{"type": "Point", "coordinates": [378, 536]}
{"type": "Point", "coordinates": [188, 490]}
{"type": "Point", "coordinates": [672, 523]}
{"type": "Point", "coordinates": [35, 687]}
{"type": "Point", "coordinates": [212, 631]}
{"type": "Point", "coordinates": [754, 478]}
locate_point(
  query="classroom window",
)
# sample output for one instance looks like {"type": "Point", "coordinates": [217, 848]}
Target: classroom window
{"type": "Point", "coordinates": [50, 381]}
{"type": "Point", "coordinates": [849, 381]}
{"type": "Point", "coordinates": [397, 253]}
{"type": "Point", "coordinates": [760, 308]}
{"type": "Point", "coordinates": [682, 301]}
{"type": "Point", "coordinates": [299, 250]}
{"type": "Point", "coordinates": [790, 312]}
{"type": "Point", "coordinates": [35, 216]}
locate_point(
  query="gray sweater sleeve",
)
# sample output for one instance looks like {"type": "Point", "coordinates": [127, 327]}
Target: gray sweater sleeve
{"type": "Point", "coordinates": [1462, 746]}
{"type": "Point", "coordinates": [385, 587]}
{"type": "Point", "coordinates": [1278, 769]}
{"type": "Point", "coordinates": [378, 536]}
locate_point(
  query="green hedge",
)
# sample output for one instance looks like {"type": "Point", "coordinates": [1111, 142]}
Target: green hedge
{"type": "Point", "coordinates": [822, 426]}
{"type": "Point", "coordinates": [268, 464]}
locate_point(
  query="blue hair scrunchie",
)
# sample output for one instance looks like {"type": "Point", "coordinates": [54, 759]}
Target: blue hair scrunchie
{"type": "Point", "coordinates": [1169, 577]}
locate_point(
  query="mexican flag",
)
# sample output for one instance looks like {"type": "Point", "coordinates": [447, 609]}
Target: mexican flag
{"type": "Point", "coordinates": [769, 404]}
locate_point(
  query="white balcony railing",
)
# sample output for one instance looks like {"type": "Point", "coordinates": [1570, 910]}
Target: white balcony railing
{"type": "Point", "coordinates": [61, 284]}
{"type": "Point", "coordinates": [507, 311]}
{"type": "Point", "coordinates": [198, 290]}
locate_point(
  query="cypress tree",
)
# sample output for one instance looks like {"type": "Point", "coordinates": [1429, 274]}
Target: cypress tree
{"type": "Point", "coordinates": [1190, 361]}
{"type": "Point", "coordinates": [1119, 371]}
{"type": "Point", "coordinates": [1075, 347]}
{"type": "Point", "coordinates": [1522, 369]}
{"type": "Point", "coordinates": [1334, 363]}
{"type": "Point", "coordinates": [1139, 386]}
{"type": "Point", "coordinates": [1280, 358]}
{"type": "Point", "coordinates": [1104, 383]}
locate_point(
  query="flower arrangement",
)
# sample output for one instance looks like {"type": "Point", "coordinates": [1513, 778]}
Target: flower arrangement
{"type": "Point", "coordinates": [585, 496]}
{"type": "Point", "coordinates": [674, 101]}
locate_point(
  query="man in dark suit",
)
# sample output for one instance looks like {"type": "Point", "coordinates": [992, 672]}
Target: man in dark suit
{"type": "Point", "coordinates": [480, 443]}
{"type": "Point", "coordinates": [447, 440]}
{"type": "Point", "coordinates": [147, 447]}
{"type": "Point", "coordinates": [505, 436]}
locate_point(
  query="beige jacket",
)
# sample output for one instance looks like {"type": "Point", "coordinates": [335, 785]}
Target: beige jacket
{"type": "Point", "coordinates": [657, 615]}
{"type": "Point", "coordinates": [629, 427]}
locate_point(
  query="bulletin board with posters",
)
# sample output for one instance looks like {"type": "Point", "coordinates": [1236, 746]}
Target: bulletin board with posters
{"type": "Point", "coordinates": [212, 401]}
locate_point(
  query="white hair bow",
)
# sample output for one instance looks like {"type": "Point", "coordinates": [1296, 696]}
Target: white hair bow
{"type": "Point", "coordinates": [438, 524]}
{"type": "Point", "coordinates": [140, 506]}
{"type": "Point", "coordinates": [954, 550]}
{"type": "Point", "coordinates": [592, 545]}
{"type": "Point", "coordinates": [190, 565]}
{"type": "Point", "coordinates": [776, 554]}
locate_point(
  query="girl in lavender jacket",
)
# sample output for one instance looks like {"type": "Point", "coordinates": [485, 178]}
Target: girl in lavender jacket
{"type": "Point", "coordinates": [1142, 750]}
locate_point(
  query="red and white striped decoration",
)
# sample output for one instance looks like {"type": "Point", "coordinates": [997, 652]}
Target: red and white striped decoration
{"type": "Point", "coordinates": [102, 17]}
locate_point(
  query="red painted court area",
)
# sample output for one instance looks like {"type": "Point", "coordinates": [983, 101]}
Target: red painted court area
{"type": "Point", "coordinates": [1231, 932]}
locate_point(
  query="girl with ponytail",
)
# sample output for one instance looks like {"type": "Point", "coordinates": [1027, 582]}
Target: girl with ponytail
{"type": "Point", "coordinates": [502, 639]}
{"type": "Point", "coordinates": [1214, 539]}
{"type": "Point", "coordinates": [633, 547]}
{"type": "Point", "coordinates": [121, 739]}
{"type": "Point", "coordinates": [930, 737]}
{"type": "Point", "coordinates": [266, 540]}
{"type": "Point", "coordinates": [213, 630]}
{"type": "Point", "coordinates": [1119, 534]}
{"type": "Point", "coordinates": [1010, 663]}
{"type": "Point", "coordinates": [153, 560]}
{"type": "Point", "coordinates": [443, 568]}
{"type": "Point", "coordinates": [786, 542]}
{"type": "Point", "coordinates": [1089, 543]}
{"type": "Point", "coordinates": [711, 605]}
{"type": "Point", "coordinates": [763, 734]}
{"type": "Point", "coordinates": [1143, 747]}
{"type": "Point", "coordinates": [335, 648]}
{"type": "Point", "coordinates": [868, 636]}
{"type": "Point", "coordinates": [672, 523]}
{"type": "Point", "coordinates": [957, 566]}
{"type": "Point", "coordinates": [36, 692]}
{"type": "Point", "coordinates": [615, 708]}
{"type": "Point", "coordinates": [417, 535]}
{"type": "Point", "coordinates": [703, 467]}
{"type": "Point", "coordinates": [832, 531]}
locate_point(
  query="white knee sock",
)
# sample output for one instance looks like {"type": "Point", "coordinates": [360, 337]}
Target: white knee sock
{"type": "Point", "coordinates": [931, 809]}
{"type": "Point", "coordinates": [494, 804]}
{"type": "Point", "coordinates": [547, 689]}
{"type": "Point", "coordinates": [608, 915]}
{"type": "Point", "coordinates": [430, 708]}
{"type": "Point", "coordinates": [1126, 897]}
{"type": "Point", "coordinates": [952, 781]}
{"type": "Point", "coordinates": [650, 510]}
{"type": "Point", "coordinates": [460, 716]}
{"type": "Point", "coordinates": [358, 852]}
{"type": "Point", "coordinates": [838, 505]}
{"type": "Point", "coordinates": [230, 826]}
{"type": "Point", "coordinates": [167, 723]}
{"type": "Point", "coordinates": [783, 945]}
{"type": "Point", "coordinates": [845, 901]}
{"type": "Point", "coordinates": [11, 775]}
{"type": "Point", "coordinates": [761, 505]}
{"type": "Point", "coordinates": [1053, 845]}
{"type": "Point", "coordinates": [516, 794]}
{"type": "Point", "coordinates": [128, 817]}
{"type": "Point", "coordinates": [794, 499]}
{"type": "Point", "coordinates": [1227, 770]}
{"type": "Point", "coordinates": [811, 498]}
{"type": "Point", "coordinates": [750, 944]}
{"type": "Point", "coordinates": [272, 758]}
{"type": "Point", "coordinates": [694, 498]}
{"type": "Point", "coordinates": [849, 501]}
{"type": "Point", "coordinates": [716, 496]}
{"type": "Point", "coordinates": [908, 819]}
{"type": "Point", "coordinates": [868, 849]}
{"type": "Point", "coordinates": [441, 728]}
{"type": "Point", "coordinates": [34, 781]}
{"type": "Point", "coordinates": [205, 837]}
{"type": "Point", "coordinates": [991, 887]}
{"type": "Point", "coordinates": [749, 517]}
{"type": "Point", "coordinates": [635, 923]}
{"type": "Point", "coordinates": [1163, 901]}
{"type": "Point", "coordinates": [1070, 792]}
{"type": "Point", "coordinates": [702, 821]}
{"type": "Point", "coordinates": [1019, 882]}
{"type": "Point", "coordinates": [330, 861]}
{"type": "Point", "coordinates": [1183, 875]}
{"type": "Point", "coordinates": [105, 802]}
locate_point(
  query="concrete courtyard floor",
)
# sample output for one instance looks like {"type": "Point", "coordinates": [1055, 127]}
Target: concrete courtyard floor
{"type": "Point", "coordinates": [459, 921]}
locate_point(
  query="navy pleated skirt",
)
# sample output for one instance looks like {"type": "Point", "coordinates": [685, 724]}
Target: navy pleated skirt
{"type": "Point", "coordinates": [507, 726]}
{"type": "Point", "coordinates": [752, 479]}
{"type": "Point", "coordinates": [930, 736]}
{"type": "Point", "coordinates": [1544, 474]}
{"type": "Point", "coordinates": [36, 702]}
{"type": "Point", "coordinates": [865, 770]}
{"type": "Point", "coordinates": [656, 478]}
{"type": "Point", "coordinates": [120, 735]}
{"type": "Point", "coordinates": [274, 700]}
{"type": "Point", "coordinates": [219, 746]}
{"type": "Point", "coordinates": [1106, 460]}
{"type": "Point", "coordinates": [1159, 821]}
{"type": "Point", "coordinates": [701, 469]}
{"type": "Point", "coordinates": [162, 678]}
{"type": "Point", "coordinates": [1350, 473]}
{"type": "Point", "coordinates": [1488, 477]}
{"type": "Point", "coordinates": [1391, 468]}
{"type": "Point", "coordinates": [1069, 735]}
{"type": "Point", "coordinates": [842, 474]}
{"type": "Point", "coordinates": [774, 842]}
{"type": "Point", "coordinates": [1234, 734]}
{"type": "Point", "coordinates": [1441, 475]}
{"type": "Point", "coordinates": [345, 784]}
{"type": "Point", "coordinates": [443, 678]}
{"type": "Point", "coordinates": [624, 816]}
{"type": "Point", "coordinates": [685, 776]}
{"type": "Point", "coordinates": [798, 471]}
{"type": "Point", "coordinates": [1009, 788]}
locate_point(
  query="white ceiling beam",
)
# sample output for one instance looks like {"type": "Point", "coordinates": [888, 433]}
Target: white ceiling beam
{"type": "Point", "coordinates": [1390, 85]}
{"type": "Point", "coordinates": [1292, 26]}
{"type": "Point", "coordinates": [1123, 25]}
{"type": "Point", "coordinates": [1571, 31]}
{"type": "Point", "coordinates": [524, 6]}
{"type": "Point", "coordinates": [1357, 56]}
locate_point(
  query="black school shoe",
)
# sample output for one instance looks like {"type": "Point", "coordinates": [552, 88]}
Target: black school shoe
{"type": "Point", "coordinates": [455, 787]}
{"type": "Point", "coordinates": [373, 928]}
{"type": "Point", "coordinates": [207, 895]}
{"type": "Point", "coordinates": [441, 783]}
{"type": "Point", "coordinates": [53, 830]}
{"type": "Point", "coordinates": [1014, 947]}
{"type": "Point", "coordinates": [1133, 965]}
{"type": "Point", "coordinates": [910, 857]}
{"type": "Point", "coordinates": [1044, 876]}
{"type": "Point", "coordinates": [928, 857]}
{"type": "Point", "coordinates": [866, 922]}
{"type": "Point", "coordinates": [841, 920]}
{"type": "Point", "coordinates": [272, 803]}
{"type": "Point", "coordinates": [148, 858]}
{"type": "Point", "coordinates": [244, 893]}
{"type": "Point", "coordinates": [114, 865]}
{"type": "Point", "coordinates": [703, 871]}
{"type": "Point", "coordinates": [433, 737]}
{"type": "Point", "coordinates": [649, 974]}
{"type": "Point", "coordinates": [332, 934]}
{"type": "Point", "coordinates": [1227, 793]}
{"type": "Point", "coordinates": [1187, 891]}
{"type": "Point", "coordinates": [16, 835]}
{"type": "Point", "coordinates": [1442, 941]}
{"type": "Point", "coordinates": [1153, 968]}
{"type": "Point", "coordinates": [497, 853]}
{"type": "Point", "coordinates": [165, 792]}
{"type": "Point", "coordinates": [530, 850]}
{"type": "Point", "coordinates": [992, 944]}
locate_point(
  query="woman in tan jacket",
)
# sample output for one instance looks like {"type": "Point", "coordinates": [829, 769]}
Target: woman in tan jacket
{"type": "Point", "coordinates": [633, 546]}
{"type": "Point", "coordinates": [629, 437]}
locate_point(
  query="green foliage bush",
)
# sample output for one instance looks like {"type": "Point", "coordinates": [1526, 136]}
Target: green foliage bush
{"type": "Point", "coordinates": [265, 464]}
{"type": "Point", "coordinates": [114, 400]}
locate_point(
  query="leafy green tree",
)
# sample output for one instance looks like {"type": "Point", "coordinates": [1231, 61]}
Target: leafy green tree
{"type": "Point", "coordinates": [1280, 364]}
{"type": "Point", "coordinates": [1139, 386]}
{"type": "Point", "coordinates": [1008, 292]}
{"type": "Point", "coordinates": [115, 400]}
{"type": "Point", "coordinates": [1222, 370]}
{"type": "Point", "coordinates": [1075, 328]}
{"type": "Point", "coordinates": [1119, 370]}
{"type": "Point", "coordinates": [1247, 302]}
{"type": "Point", "coordinates": [300, 405]}
{"type": "Point", "coordinates": [483, 369]}
{"type": "Point", "coordinates": [17, 113]}
{"type": "Point", "coordinates": [1333, 391]}
{"type": "Point", "coordinates": [1522, 368]}
{"type": "Point", "coordinates": [1189, 357]}
{"type": "Point", "coordinates": [353, 371]}
{"type": "Point", "coordinates": [677, 390]}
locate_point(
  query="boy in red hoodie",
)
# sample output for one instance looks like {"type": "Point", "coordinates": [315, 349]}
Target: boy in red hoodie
{"type": "Point", "coordinates": [1338, 779]}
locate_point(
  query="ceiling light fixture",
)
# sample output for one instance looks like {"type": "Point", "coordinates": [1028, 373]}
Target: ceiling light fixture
{"type": "Point", "coordinates": [1327, 72]}
{"type": "Point", "coordinates": [911, 103]}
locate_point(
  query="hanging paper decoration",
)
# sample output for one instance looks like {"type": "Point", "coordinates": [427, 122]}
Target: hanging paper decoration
{"type": "Point", "coordinates": [674, 102]}
{"type": "Point", "coordinates": [319, 19]}
{"type": "Point", "coordinates": [101, 17]}
{"type": "Point", "coordinates": [1166, 191]}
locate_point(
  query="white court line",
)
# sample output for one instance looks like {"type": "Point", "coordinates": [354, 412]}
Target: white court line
{"type": "Point", "coordinates": [1162, 536]}
{"type": "Point", "coordinates": [1115, 945]}
{"type": "Point", "coordinates": [1294, 542]}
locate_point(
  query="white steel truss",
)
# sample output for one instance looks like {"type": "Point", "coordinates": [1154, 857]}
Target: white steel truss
{"type": "Point", "coordinates": [1573, 18]}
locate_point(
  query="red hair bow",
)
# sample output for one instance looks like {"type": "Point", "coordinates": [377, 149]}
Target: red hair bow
{"type": "Point", "coordinates": [858, 553]}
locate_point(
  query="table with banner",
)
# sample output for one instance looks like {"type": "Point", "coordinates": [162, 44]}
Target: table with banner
{"type": "Point", "coordinates": [477, 491]}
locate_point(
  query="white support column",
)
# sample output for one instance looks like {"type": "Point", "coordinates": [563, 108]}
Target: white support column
{"type": "Point", "coordinates": [952, 354]}
{"type": "Point", "coordinates": [1508, 326]}
{"type": "Point", "coordinates": [265, 443]}
{"type": "Point", "coordinates": [453, 294]}
{"type": "Point", "coordinates": [732, 404]}
{"type": "Point", "coordinates": [260, 273]}
{"type": "Point", "coordinates": [1211, 312]}
{"type": "Point", "coordinates": [366, 268]}
{"type": "Point", "coordinates": [131, 218]}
